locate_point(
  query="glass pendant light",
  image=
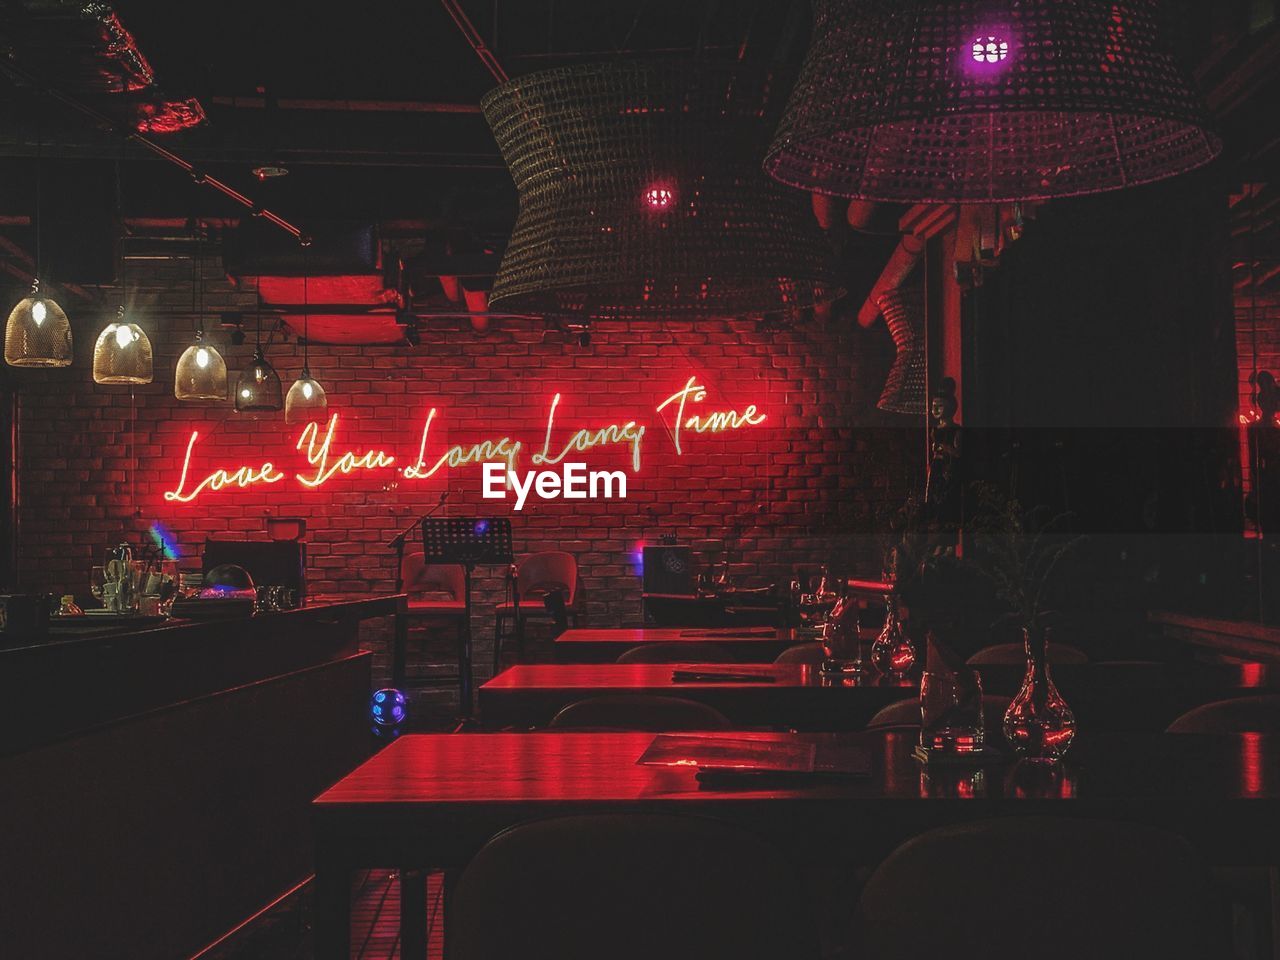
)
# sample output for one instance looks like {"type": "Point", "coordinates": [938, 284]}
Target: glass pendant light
{"type": "Point", "coordinates": [201, 373]}
{"type": "Point", "coordinates": [306, 401]}
{"type": "Point", "coordinates": [258, 388]}
{"type": "Point", "coordinates": [38, 333]}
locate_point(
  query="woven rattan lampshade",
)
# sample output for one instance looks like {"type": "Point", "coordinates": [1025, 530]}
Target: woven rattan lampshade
{"type": "Point", "coordinates": [122, 354]}
{"type": "Point", "coordinates": [641, 195]}
{"type": "Point", "coordinates": [972, 101]}
{"type": "Point", "coordinates": [904, 389]}
{"type": "Point", "coordinates": [37, 334]}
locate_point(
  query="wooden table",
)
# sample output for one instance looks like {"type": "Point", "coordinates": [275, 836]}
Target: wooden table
{"type": "Point", "coordinates": [746, 644]}
{"type": "Point", "coordinates": [1137, 697]}
{"type": "Point", "coordinates": [529, 695]}
{"type": "Point", "coordinates": [434, 800]}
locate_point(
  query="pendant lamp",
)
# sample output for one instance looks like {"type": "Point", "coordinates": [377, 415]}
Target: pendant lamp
{"type": "Point", "coordinates": [38, 333]}
{"type": "Point", "coordinates": [904, 389]}
{"type": "Point", "coordinates": [641, 195]}
{"type": "Point", "coordinates": [201, 373]}
{"type": "Point", "coordinates": [122, 353]}
{"type": "Point", "coordinates": [258, 388]}
{"type": "Point", "coordinates": [306, 400]}
{"type": "Point", "coordinates": [973, 101]}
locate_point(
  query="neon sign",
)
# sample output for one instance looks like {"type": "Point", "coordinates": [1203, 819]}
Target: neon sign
{"type": "Point", "coordinates": [323, 462]}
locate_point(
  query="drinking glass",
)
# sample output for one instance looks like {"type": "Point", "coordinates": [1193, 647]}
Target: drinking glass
{"type": "Point", "coordinates": [951, 711]}
{"type": "Point", "coordinates": [97, 580]}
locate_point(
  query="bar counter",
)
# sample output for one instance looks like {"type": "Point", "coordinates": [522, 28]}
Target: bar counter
{"type": "Point", "coordinates": [88, 672]}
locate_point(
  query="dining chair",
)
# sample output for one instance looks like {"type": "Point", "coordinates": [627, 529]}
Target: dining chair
{"type": "Point", "coordinates": [436, 596]}
{"type": "Point", "coordinates": [634, 711]}
{"type": "Point", "coordinates": [906, 713]}
{"type": "Point", "coordinates": [536, 576]}
{"type": "Point", "coordinates": [1259, 714]}
{"type": "Point", "coordinates": [807, 654]}
{"type": "Point", "coordinates": [1014, 654]}
{"type": "Point", "coordinates": [677, 652]}
{"type": "Point", "coordinates": [629, 887]}
{"type": "Point", "coordinates": [1052, 888]}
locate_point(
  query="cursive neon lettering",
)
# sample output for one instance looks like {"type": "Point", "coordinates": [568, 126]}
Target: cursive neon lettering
{"type": "Point", "coordinates": [347, 463]}
{"type": "Point", "coordinates": [243, 477]}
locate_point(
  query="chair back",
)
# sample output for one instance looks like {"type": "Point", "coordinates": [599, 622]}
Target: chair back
{"type": "Point", "coordinates": [629, 887]}
{"type": "Point", "coordinates": [1036, 886]}
{"type": "Point", "coordinates": [906, 713]}
{"type": "Point", "coordinates": [540, 573]}
{"type": "Point", "coordinates": [418, 577]}
{"type": "Point", "coordinates": [809, 654]}
{"type": "Point", "coordinates": [639, 712]}
{"type": "Point", "coordinates": [1015, 654]}
{"type": "Point", "coordinates": [677, 651]}
{"type": "Point", "coordinates": [1241, 715]}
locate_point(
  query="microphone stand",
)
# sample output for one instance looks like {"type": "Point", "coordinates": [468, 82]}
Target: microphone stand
{"type": "Point", "coordinates": [397, 542]}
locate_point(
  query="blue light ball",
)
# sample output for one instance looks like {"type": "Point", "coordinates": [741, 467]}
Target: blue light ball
{"type": "Point", "coordinates": [388, 707]}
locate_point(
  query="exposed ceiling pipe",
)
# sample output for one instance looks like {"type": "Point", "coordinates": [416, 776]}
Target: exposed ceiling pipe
{"type": "Point", "coordinates": [478, 306]}
{"type": "Point", "coordinates": [861, 213]}
{"type": "Point", "coordinates": [199, 176]}
{"type": "Point", "coordinates": [472, 36]}
{"type": "Point", "coordinates": [901, 262]}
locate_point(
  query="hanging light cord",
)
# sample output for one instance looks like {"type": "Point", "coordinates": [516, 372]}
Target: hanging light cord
{"type": "Point", "coordinates": [306, 316]}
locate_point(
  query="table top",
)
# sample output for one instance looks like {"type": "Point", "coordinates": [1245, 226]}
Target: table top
{"type": "Point", "coordinates": [438, 797]}
{"type": "Point", "coordinates": [636, 636]}
{"type": "Point", "coordinates": [594, 678]}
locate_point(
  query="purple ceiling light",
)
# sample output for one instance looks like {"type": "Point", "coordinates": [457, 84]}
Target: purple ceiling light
{"type": "Point", "coordinates": [971, 101]}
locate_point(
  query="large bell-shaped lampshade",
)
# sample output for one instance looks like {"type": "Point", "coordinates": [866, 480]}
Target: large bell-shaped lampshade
{"type": "Point", "coordinates": [38, 333]}
{"type": "Point", "coordinates": [925, 101]}
{"type": "Point", "coordinates": [258, 389]}
{"type": "Point", "coordinates": [641, 195]}
{"type": "Point", "coordinates": [201, 373]}
{"type": "Point", "coordinates": [122, 354]}
{"type": "Point", "coordinates": [306, 400]}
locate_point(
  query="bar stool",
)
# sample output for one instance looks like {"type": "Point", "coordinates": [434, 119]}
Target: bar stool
{"type": "Point", "coordinates": [436, 596]}
{"type": "Point", "coordinates": [536, 576]}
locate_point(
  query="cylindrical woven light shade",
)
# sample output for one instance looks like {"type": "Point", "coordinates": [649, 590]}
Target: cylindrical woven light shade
{"type": "Point", "coordinates": [122, 354]}
{"type": "Point", "coordinates": [306, 400]}
{"type": "Point", "coordinates": [974, 101]}
{"type": "Point", "coordinates": [641, 195]}
{"type": "Point", "coordinates": [201, 373]}
{"type": "Point", "coordinates": [38, 334]}
{"type": "Point", "coordinates": [904, 390]}
{"type": "Point", "coordinates": [258, 388]}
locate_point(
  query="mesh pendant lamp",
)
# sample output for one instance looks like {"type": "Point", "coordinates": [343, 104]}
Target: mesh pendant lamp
{"type": "Point", "coordinates": [122, 353]}
{"type": "Point", "coordinates": [38, 333]}
{"type": "Point", "coordinates": [258, 387]}
{"type": "Point", "coordinates": [904, 389]}
{"type": "Point", "coordinates": [306, 400]}
{"type": "Point", "coordinates": [641, 195]}
{"type": "Point", "coordinates": [965, 101]}
{"type": "Point", "coordinates": [201, 373]}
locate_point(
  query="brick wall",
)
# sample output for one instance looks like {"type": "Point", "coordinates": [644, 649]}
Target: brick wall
{"type": "Point", "coordinates": [95, 463]}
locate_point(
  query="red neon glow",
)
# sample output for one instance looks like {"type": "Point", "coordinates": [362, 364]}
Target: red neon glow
{"type": "Point", "coordinates": [241, 477]}
{"type": "Point", "coordinates": [659, 198]}
{"type": "Point", "coordinates": [712, 423]}
{"type": "Point", "coordinates": [324, 462]}
{"type": "Point", "coordinates": [318, 457]}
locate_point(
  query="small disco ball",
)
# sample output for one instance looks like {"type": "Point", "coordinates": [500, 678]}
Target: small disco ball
{"type": "Point", "coordinates": [387, 708]}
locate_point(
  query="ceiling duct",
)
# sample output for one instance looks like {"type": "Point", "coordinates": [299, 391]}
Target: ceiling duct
{"type": "Point", "coordinates": [353, 293]}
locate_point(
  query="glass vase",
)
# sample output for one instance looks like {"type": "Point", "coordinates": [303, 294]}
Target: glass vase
{"type": "Point", "coordinates": [892, 653]}
{"type": "Point", "coordinates": [1039, 724]}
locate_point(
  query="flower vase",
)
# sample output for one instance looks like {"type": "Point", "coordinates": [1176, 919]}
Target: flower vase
{"type": "Point", "coordinates": [892, 653]}
{"type": "Point", "coordinates": [1039, 724]}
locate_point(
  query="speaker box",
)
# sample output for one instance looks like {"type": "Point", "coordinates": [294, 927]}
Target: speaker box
{"type": "Point", "coordinates": [668, 570]}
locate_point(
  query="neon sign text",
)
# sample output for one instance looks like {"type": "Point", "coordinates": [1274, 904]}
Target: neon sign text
{"type": "Point", "coordinates": [323, 460]}
{"type": "Point", "coordinates": [243, 477]}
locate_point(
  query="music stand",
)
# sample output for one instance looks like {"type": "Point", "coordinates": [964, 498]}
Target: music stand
{"type": "Point", "coordinates": [468, 541]}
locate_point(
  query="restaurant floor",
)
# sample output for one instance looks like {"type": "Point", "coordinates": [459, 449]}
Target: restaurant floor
{"type": "Point", "coordinates": [284, 931]}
